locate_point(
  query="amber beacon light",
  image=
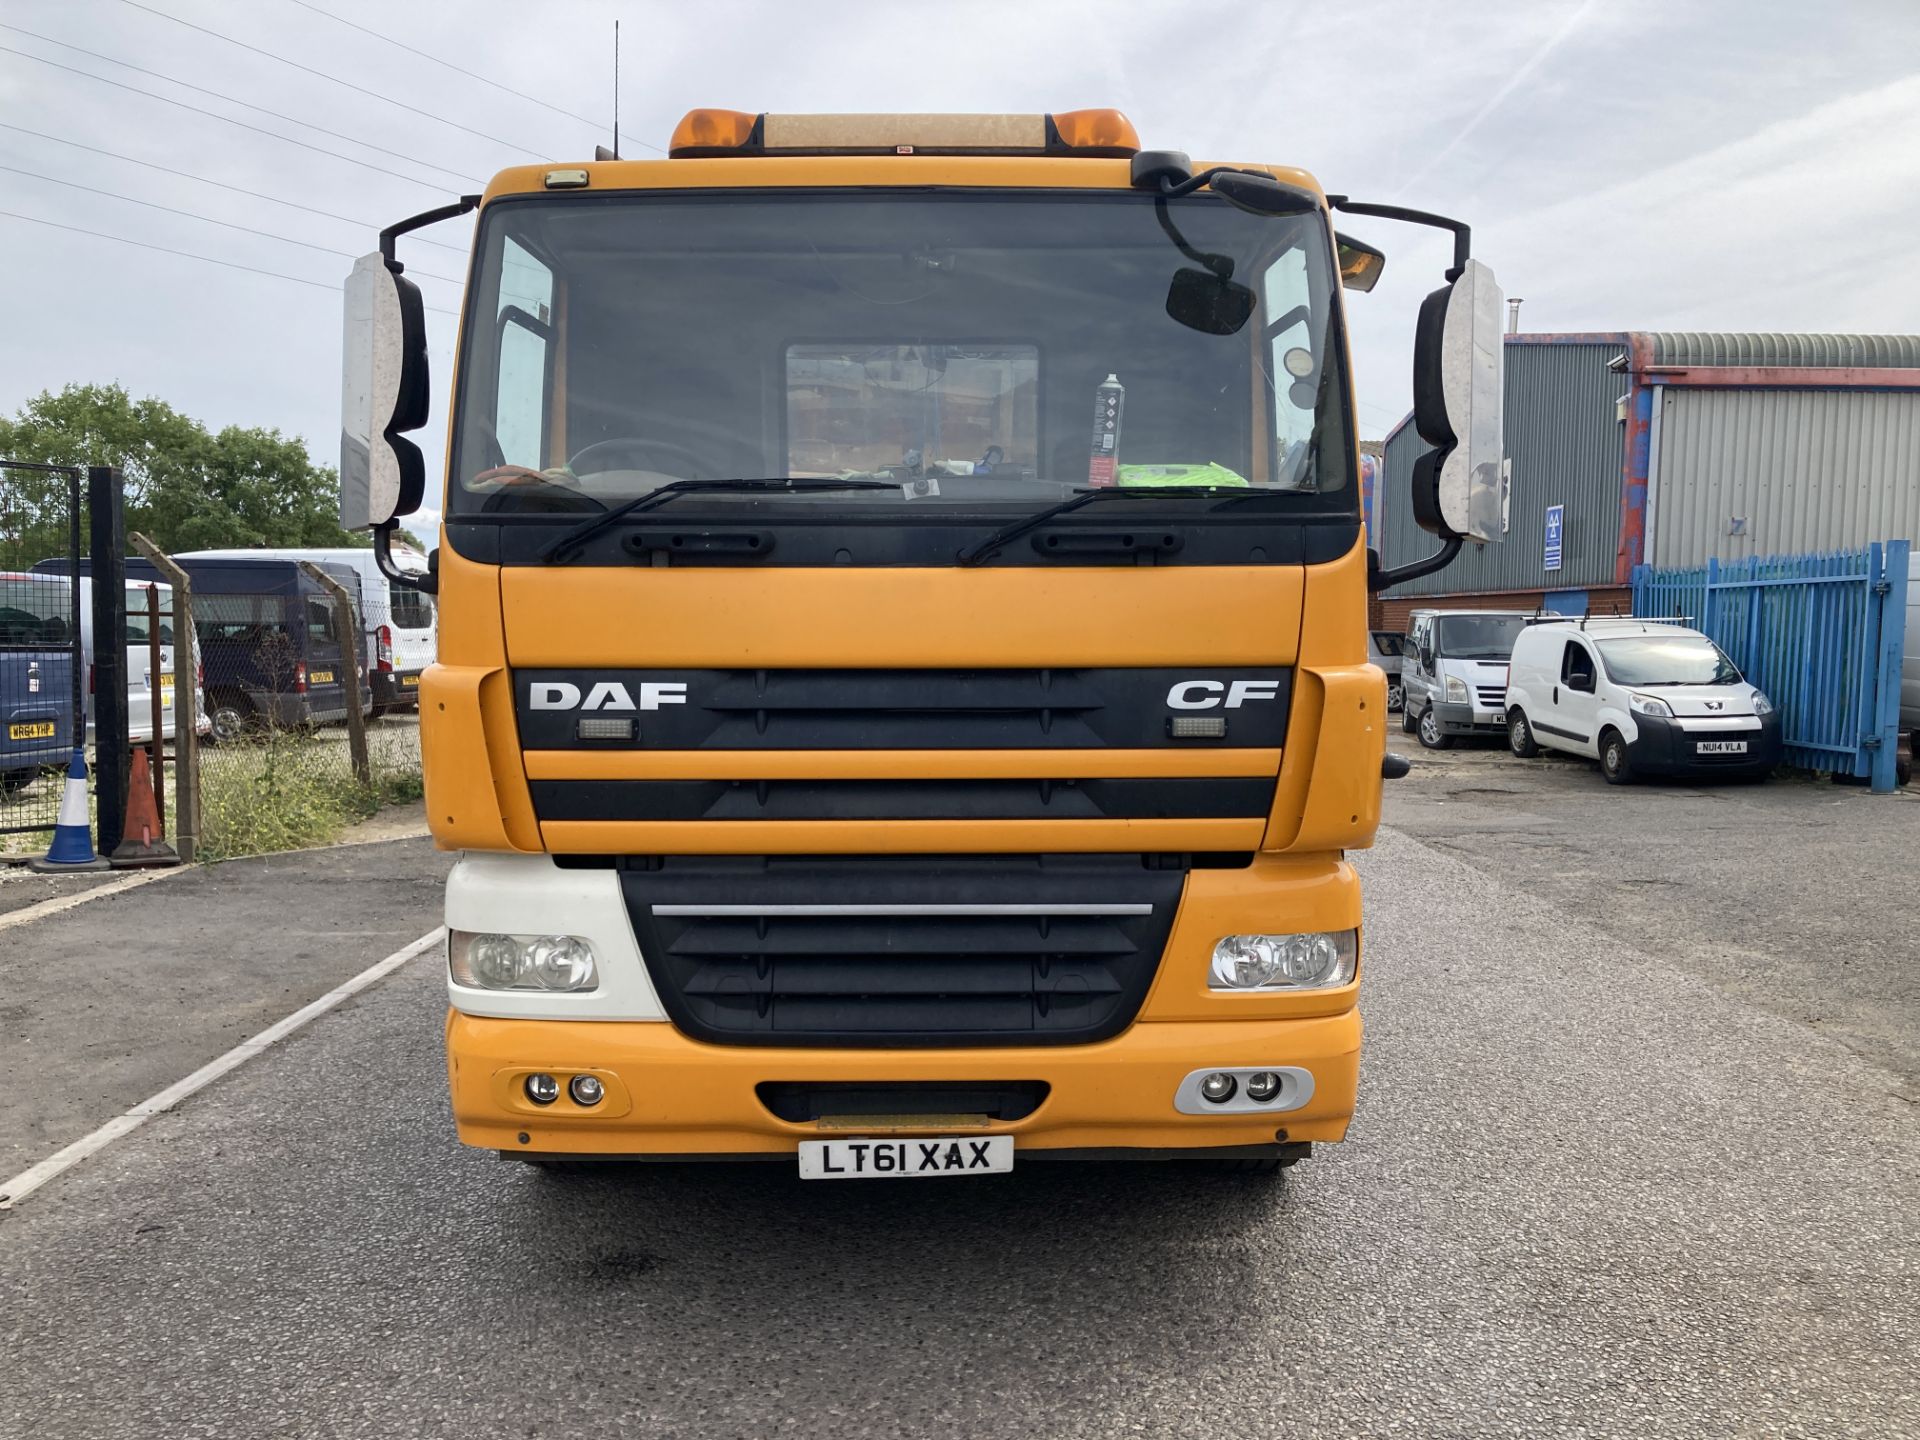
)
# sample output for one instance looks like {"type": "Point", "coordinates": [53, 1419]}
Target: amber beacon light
{"type": "Point", "coordinates": [1069, 132]}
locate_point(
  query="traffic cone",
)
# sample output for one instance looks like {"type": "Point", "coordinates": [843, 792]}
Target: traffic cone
{"type": "Point", "coordinates": [143, 847]}
{"type": "Point", "coordinates": [72, 847]}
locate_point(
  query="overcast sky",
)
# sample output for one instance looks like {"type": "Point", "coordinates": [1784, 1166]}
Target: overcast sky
{"type": "Point", "coordinates": [1634, 164]}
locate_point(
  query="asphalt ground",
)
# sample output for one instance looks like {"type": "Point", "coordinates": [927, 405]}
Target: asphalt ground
{"type": "Point", "coordinates": [1588, 1193]}
{"type": "Point", "coordinates": [1797, 895]}
{"type": "Point", "coordinates": [114, 1000]}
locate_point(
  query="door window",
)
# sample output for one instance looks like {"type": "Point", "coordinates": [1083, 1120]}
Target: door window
{"type": "Point", "coordinates": [1576, 668]}
{"type": "Point", "coordinates": [521, 384]}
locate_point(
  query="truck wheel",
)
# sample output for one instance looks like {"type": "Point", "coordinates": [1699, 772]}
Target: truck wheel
{"type": "Point", "coordinates": [1430, 733]}
{"type": "Point", "coordinates": [1615, 763]}
{"type": "Point", "coordinates": [1520, 735]}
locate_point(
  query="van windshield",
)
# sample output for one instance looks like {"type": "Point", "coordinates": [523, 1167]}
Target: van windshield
{"type": "Point", "coordinates": [1668, 660]}
{"type": "Point", "coordinates": [1478, 637]}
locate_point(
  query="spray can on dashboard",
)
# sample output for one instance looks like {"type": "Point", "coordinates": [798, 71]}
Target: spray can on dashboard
{"type": "Point", "coordinates": [1109, 406]}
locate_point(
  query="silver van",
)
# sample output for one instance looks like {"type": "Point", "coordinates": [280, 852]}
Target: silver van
{"type": "Point", "coordinates": [1455, 673]}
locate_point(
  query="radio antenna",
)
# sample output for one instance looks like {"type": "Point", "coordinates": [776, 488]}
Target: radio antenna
{"type": "Point", "coordinates": [616, 89]}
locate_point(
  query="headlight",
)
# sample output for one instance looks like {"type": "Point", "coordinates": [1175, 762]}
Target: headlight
{"type": "Point", "coordinates": [1320, 961]}
{"type": "Point", "coordinates": [1457, 690]}
{"type": "Point", "coordinates": [1649, 705]}
{"type": "Point", "coordinates": [489, 961]}
{"type": "Point", "coordinates": [1762, 705]}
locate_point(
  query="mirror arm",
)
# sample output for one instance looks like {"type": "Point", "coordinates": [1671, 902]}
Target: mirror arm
{"type": "Point", "coordinates": [427, 584]}
{"type": "Point", "coordinates": [421, 221]}
{"type": "Point", "coordinates": [1462, 233]}
{"type": "Point", "coordinates": [1378, 579]}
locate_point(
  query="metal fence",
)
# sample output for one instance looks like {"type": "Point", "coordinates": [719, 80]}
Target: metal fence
{"type": "Point", "coordinates": [1820, 634]}
{"type": "Point", "coordinates": [42, 652]}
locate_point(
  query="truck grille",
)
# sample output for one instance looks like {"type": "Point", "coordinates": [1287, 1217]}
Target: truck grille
{"type": "Point", "coordinates": [907, 952]}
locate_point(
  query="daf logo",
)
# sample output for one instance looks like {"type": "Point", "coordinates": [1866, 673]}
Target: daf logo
{"type": "Point", "coordinates": [606, 695]}
{"type": "Point", "coordinates": [1716, 704]}
{"type": "Point", "coordinates": [1213, 694]}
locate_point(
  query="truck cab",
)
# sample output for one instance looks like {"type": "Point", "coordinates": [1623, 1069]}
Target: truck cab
{"type": "Point", "coordinates": [902, 695]}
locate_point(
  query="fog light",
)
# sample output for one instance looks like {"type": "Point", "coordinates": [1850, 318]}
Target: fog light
{"type": "Point", "coordinates": [1218, 1087]}
{"type": "Point", "coordinates": [1263, 1086]}
{"type": "Point", "coordinates": [587, 1091]}
{"type": "Point", "coordinates": [542, 1089]}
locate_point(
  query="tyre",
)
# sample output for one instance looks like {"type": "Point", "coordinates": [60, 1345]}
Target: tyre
{"type": "Point", "coordinates": [231, 718]}
{"type": "Point", "coordinates": [1520, 735]}
{"type": "Point", "coordinates": [1430, 733]}
{"type": "Point", "coordinates": [1615, 763]}
{"type": "Point", "coordinates": [12, 780]}
{"type": "Point", "coordinates": [1396, 696]}
{"type": "Point", "coordinates": [1407, 722]}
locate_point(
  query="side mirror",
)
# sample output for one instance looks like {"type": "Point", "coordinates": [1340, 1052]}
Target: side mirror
{"type": "Point", "coordinates": [383, 392]}
{"type": "Point", "coordinates": [1261, 194]}
{"type": "Point", "coordinates": [1457, 379]}
{"type": "Point", "coordinates": [1208, 303]}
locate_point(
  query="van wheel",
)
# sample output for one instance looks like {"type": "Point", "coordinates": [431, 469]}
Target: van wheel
{"type": "Point", "coordinates": [1408, 724]}
{"type": "Point", "coordinates": [1396, 696]}
{"type": "Point", "coordinates": [230, 718]}
{"type": "Point", "coordinates": [1430, 733]}
{"type": "Point", "coordinates": [1520, 735]}
{"type": "Point", "coordinates": [1615, 763]}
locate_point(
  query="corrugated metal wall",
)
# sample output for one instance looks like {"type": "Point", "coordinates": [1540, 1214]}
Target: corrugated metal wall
{"type": "Point", "coordinates": [1808, 470]}
{"type": "Point", "coordinates": [1564, 442]}
{"type": "Point", "coordinates": [1719, 347]}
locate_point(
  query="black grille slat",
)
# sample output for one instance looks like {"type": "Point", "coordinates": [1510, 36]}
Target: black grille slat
{"type": "Point", "coordinates": [1149, 798]}
{"type": "Point", "coordinates": [965, 934]}
{"type": "Point", "coordinates": [889, 980]}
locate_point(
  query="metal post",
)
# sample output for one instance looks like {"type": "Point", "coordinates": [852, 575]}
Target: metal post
{"type": "Point", "coordinates": [109, 571]}
{"type": "Point", "coordinates": [156, 688]}
{"type": "Point", "coordinates": [74, 552]}
{"type": "Point", "coordinates": [186, 700]}
{"type": "Point", "coordinates": [347, 624]}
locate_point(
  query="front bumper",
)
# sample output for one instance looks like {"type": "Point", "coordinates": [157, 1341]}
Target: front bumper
{"type": "Point", "coordinates": [1457, 719]}
{"type": "Point", "coordinates": [1668, 747]}
{"type": "Point", "coordinates": [669, 1095]}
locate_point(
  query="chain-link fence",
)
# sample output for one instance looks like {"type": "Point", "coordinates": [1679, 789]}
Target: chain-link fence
{"type": "Point", "coordinates": [292, 752]}
{"type": "Point", "coordinates": [42, 648]}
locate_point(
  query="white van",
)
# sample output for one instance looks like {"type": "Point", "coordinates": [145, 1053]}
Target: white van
{"type": "Point", "coordinates": [1454, 673]}
{"type": "Point", "coordinates": [399, 642]}
{"type": "Point", "coordinates": [1643, 697]}
{"type": "Point", "coordinates": [141, 682]}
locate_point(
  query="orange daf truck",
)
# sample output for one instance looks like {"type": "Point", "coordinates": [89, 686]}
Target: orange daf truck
{"type": "Point", "coordinates": [903, 703]}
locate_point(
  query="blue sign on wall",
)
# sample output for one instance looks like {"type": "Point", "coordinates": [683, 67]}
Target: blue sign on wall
{"type": "Point", "coordinates": [1556, 528]}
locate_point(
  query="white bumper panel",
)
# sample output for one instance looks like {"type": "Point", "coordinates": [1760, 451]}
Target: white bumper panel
{"type": "Point", "coordinates": [530, 895]}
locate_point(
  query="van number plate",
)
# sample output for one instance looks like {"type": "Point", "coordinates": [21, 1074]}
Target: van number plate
{"type": "Point", "coordinates": [904, 1159]}
{"type": "Point", "coordinates": [409, 682]}
{"type": "Point", "coordinates": [321, 677]}
{"type": "Point", "coordinates": [37, 730]}
{"type": "Point", "coordinates": [1721, 747]}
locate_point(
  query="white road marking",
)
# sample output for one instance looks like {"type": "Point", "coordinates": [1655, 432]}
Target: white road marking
{"type": "Point", "coordinates": [13, 1191]}
{"type": "Point", "coordinates": [66, 902]}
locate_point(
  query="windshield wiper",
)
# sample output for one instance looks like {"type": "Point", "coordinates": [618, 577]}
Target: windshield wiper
{"type": "Point", "coordinates": [569, 545]}
{"type": "Point", "coordinates": [974, 554]}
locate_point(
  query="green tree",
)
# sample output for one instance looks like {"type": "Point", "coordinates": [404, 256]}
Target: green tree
{"type": "Point", "coordinates": [188, 489]}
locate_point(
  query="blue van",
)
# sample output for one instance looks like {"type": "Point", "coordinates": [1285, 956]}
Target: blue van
{"type": "Point", "coordinates": [269, 651]}
{"type": "Point", "coordinates": [36, 678]}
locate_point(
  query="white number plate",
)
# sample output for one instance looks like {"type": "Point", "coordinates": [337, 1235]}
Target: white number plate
{"type": "Point", "coordinates": [904, 1159]}
{"type": "Point", "coordinates": [1721, 747]}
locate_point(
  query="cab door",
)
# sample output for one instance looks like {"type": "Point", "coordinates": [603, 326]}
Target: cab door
{"type": "Point", "coordinates": [1576, 703]}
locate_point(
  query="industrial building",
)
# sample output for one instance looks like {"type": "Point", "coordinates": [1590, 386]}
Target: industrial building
{"type": "Point", "coordinates": [1670, 449]}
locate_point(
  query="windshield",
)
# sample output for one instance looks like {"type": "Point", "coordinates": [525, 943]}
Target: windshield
{"type": "Point", "coordinates": [1667, 660]}
{"type": "Point", "coordinates": [1479, 637]}
{"type": "Point", "coordinates": [967, 346]}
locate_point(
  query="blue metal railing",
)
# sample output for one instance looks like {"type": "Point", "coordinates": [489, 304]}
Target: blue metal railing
{"type": "Point", "coordinates": [1821, 634]}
